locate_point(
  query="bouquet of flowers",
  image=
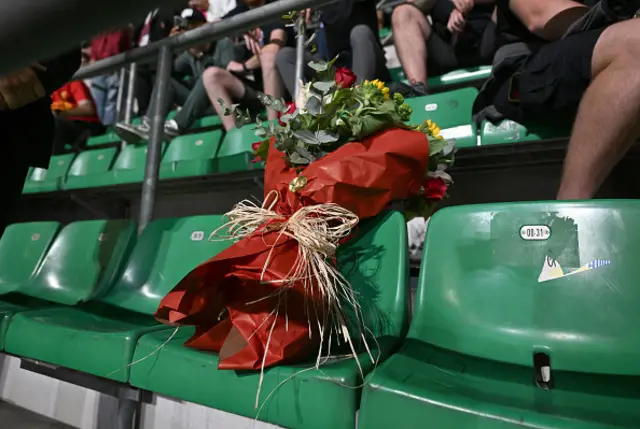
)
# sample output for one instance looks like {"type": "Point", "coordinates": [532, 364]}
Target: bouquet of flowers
{"type": "Point", "coordinates": [340, 153]}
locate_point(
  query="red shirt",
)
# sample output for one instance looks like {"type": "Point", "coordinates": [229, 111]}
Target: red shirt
{"type": "Point", "coordinates": [69, 96]}
{"type": "Point", "coordinates": [109, 44]}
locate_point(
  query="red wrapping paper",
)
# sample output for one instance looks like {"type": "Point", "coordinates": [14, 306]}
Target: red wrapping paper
{"type": "Point", "coordinates": [224, 298]}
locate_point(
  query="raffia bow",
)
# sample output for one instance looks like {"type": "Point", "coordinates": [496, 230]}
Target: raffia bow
{"type": "Point", "coordinates": [318, 229]}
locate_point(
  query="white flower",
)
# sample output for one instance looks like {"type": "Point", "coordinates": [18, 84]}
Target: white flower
{"type": "Point", "coordinates": [303, 96]}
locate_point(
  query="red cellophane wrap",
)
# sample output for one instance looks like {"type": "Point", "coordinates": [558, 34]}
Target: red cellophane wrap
{"type": "Point", "coordinates": [363, 177]}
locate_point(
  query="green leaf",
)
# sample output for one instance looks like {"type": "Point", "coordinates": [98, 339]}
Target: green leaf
{"type": "Point", "coordinates": [372, 124]}
{"type": "Point", "coordinates": [297, 159]}
{"type": "Point", "coordinates": [306, 136]}
{"type": "Point", "coordinates": [303, 152]}
{"type": "Point", "coordinates": [319, 67]}
{"type": "Point", "coordinates": [261, 133]}
{"type": "Point", "coordinates": [324, 86]}
{"type": "Point", "coordinates": [436, 146]}
{"type": "Point", "coordinates": [286, 118]}
{"type": "Point", "coordinates": [326, 137]}
{"type": "Point", "coordinates": [314, 106]}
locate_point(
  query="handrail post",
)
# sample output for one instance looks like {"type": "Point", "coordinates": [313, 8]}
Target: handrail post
{"type": "Point", "coordinates": [156, 137]}
{"type": "Point", "coordinates": [131, 89]}
{"type": "Point", "coordinates": [119, 106]}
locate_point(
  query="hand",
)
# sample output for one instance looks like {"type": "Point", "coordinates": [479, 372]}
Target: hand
{"type": "Point", "coordinates": [463, 6]}
{"type": "Point", "coordinates": [308, 15]}
{"type": "Point", "coordinates": [253, 45]}
{"type": "Point", "coordinates": [21, 87]}
{"type": "Point", "coordinates": [456, 22]}
{"type": "Point", "coordinates": [235, 67]}
{"type": "Point", "coordinates": [175, 31]}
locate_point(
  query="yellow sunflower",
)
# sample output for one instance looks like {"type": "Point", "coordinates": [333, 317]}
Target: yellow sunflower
{"type": "Point", "coordinates": [434, 130]}
{"type": "Point", "coordinates": [380, 86]}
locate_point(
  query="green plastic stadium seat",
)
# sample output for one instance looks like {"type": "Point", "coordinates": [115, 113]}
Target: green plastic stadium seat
{"type": "Point", "coordinates": [512, 132]}
{"type": "Point", "coordinates": [88, 166]}
{"type": "Point", "coordinates": [451, 111]}
{"type": "Point", "coordinates": [99, 337]}
{"type": "Point", "coordinates": [207, 122]}
{"type": "Point", "coordinates": [375, 262]}
{"type": "Point", "coordinates": [128, 168]}
{"type": "Point", "coordinates": [49, 180]}
{"type": "Point", "coordinates": [236, 150]}
{"type": "Point", "coordinates": [460, 77]}
{"type": "Point", "coordinates": [108, 138]}
{"type": "Point", "coordinates": [527, 316]}
{"type": "Point", "coordinates": [191, 155]}
{"type": "Point", "coordinates": [22, 249]}
{"type": "Point", "coordinates": [83, 261]}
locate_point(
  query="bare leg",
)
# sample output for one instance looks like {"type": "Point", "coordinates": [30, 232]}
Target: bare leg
{"type": "Point", "coordinates": [271, 78]}
{"type": "Point", "coordinates": [411, 30]}
{"type": "Point", "coordinates": [220, 84]}
{"type": "Point", "coordinates": [607, 121]}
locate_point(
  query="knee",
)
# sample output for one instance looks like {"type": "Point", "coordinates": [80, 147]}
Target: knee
{"type": "Point", "coordinates": [360, 34]}
{"type": "Point", "coordinates": [214, 76]}
{"type": "Point", "coordinates": [404, 13]}
{"type": "Point", "coordinates": [285, 57]}
{"type": "Point", "coordinates": [268, 56]}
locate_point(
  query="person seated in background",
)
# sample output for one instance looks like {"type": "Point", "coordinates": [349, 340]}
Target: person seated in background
{"type": "Point", "coordinates": [27, 123]}
{"type": "Point", "coordinates": [461, 35]}
{"type": "Point", "coordinates": [105, 88]}
{"type": "Point", "coordinates": [590, 76]}
{"type": "Point", "coordinates": [215, 9]}
{"type": "Point", "coordinates": [351, 28]}
{"type": "Point", "coordinates": [231, 83]}
{"type": "Point", "coordinates": [76, 116]}
{"type": "Point", "coordinates": [186, 86]}
{"type": "Point", "coordinates": [156, 26]}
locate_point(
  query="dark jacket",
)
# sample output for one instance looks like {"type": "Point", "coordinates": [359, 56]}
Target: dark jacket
{"type": "Point", "coordinates": [28, 132]}
{"type": "Point", "coordinates": [161, 25]}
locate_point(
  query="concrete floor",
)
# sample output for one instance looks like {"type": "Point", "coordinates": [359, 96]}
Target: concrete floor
{"type": "Point", "coordinates": [12, 417]}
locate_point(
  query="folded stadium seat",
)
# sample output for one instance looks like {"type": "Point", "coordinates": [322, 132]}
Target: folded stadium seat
{"type": "Point", "coordinates": [236, 150]}
{"type": "Point", "coordinates": [375, 262]}
{"type": "Point", "coordinates": [128, 168]}
{"type": "Point", "coordinates": [88, 167]}
{"type": "Point", "coordinates": [460, 77]}
{"type": "Point", "coordinates": [82, 261]}
{"type": "Point", "coordinates": [527, 316]}
{"type": "Point", "coordinates": [99, 337]}
{"type": "Point", "coordinates": [397, 74]}
{"type": "Point", "coordinates": [451, 111]}
{"type": "Point", "coordinates": [22, 249]}
{"type": "Point", "coordinates": [107, 138]}
{"type": "Point", "coordinates": [207, 122]}
{"type": "Point", "coordinates": [49, 180]}
{"type": "Point", "coordinates": [512, 132]}
{"type": "Point", "coordinates": [191, 155]}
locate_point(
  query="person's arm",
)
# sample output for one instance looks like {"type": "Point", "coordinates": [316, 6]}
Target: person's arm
{"type": "Point", "coordinates": [548, 19]}
{"type": "Point", "coordinates": [82, 96]}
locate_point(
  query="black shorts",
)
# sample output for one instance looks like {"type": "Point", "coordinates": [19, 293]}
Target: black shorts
{"type": "Point", "coordinates": [475, 47]}
{"type": "Point", "coordinates": [551, 82]}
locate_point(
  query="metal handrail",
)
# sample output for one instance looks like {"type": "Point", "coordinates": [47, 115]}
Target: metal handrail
{"type": "Point", "coordinates": [207, 33]}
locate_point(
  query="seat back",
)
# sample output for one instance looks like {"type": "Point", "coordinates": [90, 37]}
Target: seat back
{"type": "Point", "coordinates": [447, 109]}
{"type": "Point", "coordinates": [92, 162]}
{"type": "Point", "coordinates": [83, 261]}
{"type": "Point", "coordinates": [375, 262]}
{"type": "Point", "coordinates": [22, 249]}
{"type": "Point", "coordinates": [58, 167]}
{"type": "Point", "coordinates": [193, 147]}
{"type": "Point", "coordinates": [506, 281]}
{"type": "Point", "coordinates": [238, 140]}
{"type": "Point", "coordinates": [131, 157]}
{"type": "Point", "coordinates": [107, 138]}
{"type": "Point", "coordinates": [167, 250]}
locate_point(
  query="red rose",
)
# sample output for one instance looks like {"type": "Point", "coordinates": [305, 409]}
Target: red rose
{"type": "Point", "coordinates": [256, 146]}
{"type": "Point", "coordinates": [291, 107]}
{"type": "Point", "coordinates": [435, 189]}
{"type": "Point", "coordinates": [345, 77]}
